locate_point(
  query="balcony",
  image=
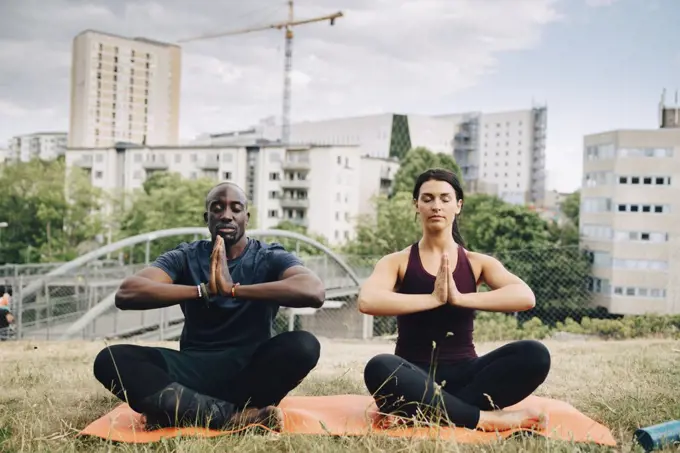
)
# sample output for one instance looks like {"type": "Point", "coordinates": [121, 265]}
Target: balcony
{"type": "Point", "coordinates": [208, 163]}
{"type": "Point", "coordinates": [386, 173]}
{"type": "Point", "coordinates": [295, 203]}
{"type": "Point", "coordinates": [294, 184]}
{"type": "Point", "coordinates": [83, 162]}
{"type": "Point", "coordinates": [152, 164]}
{"type": "Point", "coordinates": [296, 164]}
{"type": "Point", "coordinates": [302, 222]}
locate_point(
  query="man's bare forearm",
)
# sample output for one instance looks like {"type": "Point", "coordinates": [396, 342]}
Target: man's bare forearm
{"type": "Point", "coordinates": [297, 291]}
{"type": "Point", "coordinates": [140, 293]}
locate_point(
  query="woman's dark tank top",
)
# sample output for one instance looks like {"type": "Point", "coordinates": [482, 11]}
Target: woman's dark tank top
{"type": "Point", "coordinates": [448, 328]}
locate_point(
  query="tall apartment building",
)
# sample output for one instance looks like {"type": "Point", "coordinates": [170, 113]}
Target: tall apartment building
{"type": "Point", "coordinates": [322, 188]}
{"type": "Point", "coordinates": [39, 145]}
{"type": "Point", "coordinates": [503, 153]}
{"type": "Point", "coordinates": [499, 153]}
{"type": "Point", "coordinates": [123, 89]}
{"type": "Point", "coordinates": [630, 219]}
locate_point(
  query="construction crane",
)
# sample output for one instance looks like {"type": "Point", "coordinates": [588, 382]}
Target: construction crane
{"type": "Point", "coordinates": [288, 26]}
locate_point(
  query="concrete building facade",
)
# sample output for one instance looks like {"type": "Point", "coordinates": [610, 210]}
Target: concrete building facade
{"type": "Point", "coordinates": [123, 89]}
{"type": "Point", "coordinates": [323, 188]}
{"type": "Point", "coordinates": [39, 145]}
{"type": "Point", "coordinates": [630, 219]}
{"type": "Point", "coordinates": [499, 153]}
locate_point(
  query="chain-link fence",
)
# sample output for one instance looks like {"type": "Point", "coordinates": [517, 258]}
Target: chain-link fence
{"type": "Point", "coordinates": [80, 303]}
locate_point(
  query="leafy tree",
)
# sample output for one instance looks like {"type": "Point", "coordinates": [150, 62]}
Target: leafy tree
{"type": "Point", "coordinates": [571, 207]}
{"type": "Point", "coordinates": [529, 246]}
{"type": "Point", "coordinates": [43, 224]}
{"type": "Point", "coordinates": [393, 228]}
{"type": "Point", "coordinates": [416, 161]}
{"type": "Point", "coordinates": [564, 234]}
{"type": "Point", "coordinates": [492, 226]}
{"type": "Point", "coordinates": [166, 200]}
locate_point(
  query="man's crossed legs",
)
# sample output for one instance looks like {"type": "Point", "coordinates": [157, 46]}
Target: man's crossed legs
{"type": "Point", "coordinates": [173, 388]}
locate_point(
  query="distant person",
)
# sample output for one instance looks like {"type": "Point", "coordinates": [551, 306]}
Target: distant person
{"type": "Point", "coordinates": [229, 369]}
{"type": "Point", "coordinates": [431, 287]}
{"type": "Point", "coordinates": [6, 317]}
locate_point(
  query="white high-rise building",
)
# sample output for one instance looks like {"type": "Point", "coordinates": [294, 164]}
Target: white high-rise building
{"type": "Point", "coordinates": [123, 89]}
{"type": "Point", "coordinates": [323, 188]}
{"type": "Point", "coordinates": [503, 153]}
{"type": "Point", "coordinates": [629, 219]}
{"type": "Point", "coordinates": [39, 145]}
{"type": "Point", "coordinates": [499, 153]}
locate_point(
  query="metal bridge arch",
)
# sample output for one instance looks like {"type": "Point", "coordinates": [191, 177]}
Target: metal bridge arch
{"type": "Point", "coordinates": [105, 304]}
{"type": "Point", "coordinates": [148, 237]}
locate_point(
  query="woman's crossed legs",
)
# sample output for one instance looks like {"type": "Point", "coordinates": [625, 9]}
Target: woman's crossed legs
{"type": "Point", "coordinates": [469, 394]}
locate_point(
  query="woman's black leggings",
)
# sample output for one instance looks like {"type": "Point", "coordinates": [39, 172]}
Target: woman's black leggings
{"type": "Point", "coordinates": [496, 380]}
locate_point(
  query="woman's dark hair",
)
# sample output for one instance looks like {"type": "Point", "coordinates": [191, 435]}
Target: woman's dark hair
{"type": "Point", "coordinates": [439, 174]}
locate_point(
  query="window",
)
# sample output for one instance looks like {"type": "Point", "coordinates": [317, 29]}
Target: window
{"type": "Point", "coordinates": [645, 152]}
{"type": "Point", "coordinates": [597, 232]}
{"type": "Point", "coordinates": [226, 175]}
{"type": "Point", "coordinates": [599, 285]}
{"type": "Point", "coordinates": [596, 205]}
{"type": "Point", "coordinates": [632, 291]}
{"type": "Point", "coordinates": [601, 259]}
{"type": "Point", "coordinates": [599, 152]}
{"type": "Point", "coordinates": [273, 194]}
{"type": "Point", "coordinates": [272, 213]}
{"type": "Point", "coordinates": [98, 175]}
{"type": "Point", "coordinates": [274, 176]}
{"type": "Point", "coordinates": [641, 236]}
{"type": "Point", "coordinates": [645, 180]}
{"type": "Point", "coordinates": [178, 158]}
{"type": "Point", "coordinates": [655, 209]}
{"type": "Point", "coordinates": [598, 178]}
{"type": "Point", "coordinates": [640, 264]}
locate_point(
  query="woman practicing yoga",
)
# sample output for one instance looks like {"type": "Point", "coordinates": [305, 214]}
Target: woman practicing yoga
{"type": "Point", "coordinates": [431, 287]}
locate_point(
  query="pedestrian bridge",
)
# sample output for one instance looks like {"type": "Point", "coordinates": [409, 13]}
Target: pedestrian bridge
{"type": "Point", "coordinates": [96, 317]}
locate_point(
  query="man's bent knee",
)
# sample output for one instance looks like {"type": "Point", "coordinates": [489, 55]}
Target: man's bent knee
{"type": "Point", "coordinates": [104, 366]}
{"type": "Point", "coordinates": [304, 348]}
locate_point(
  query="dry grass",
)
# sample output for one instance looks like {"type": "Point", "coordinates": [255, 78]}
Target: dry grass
{"type": "Point", "coordinates": [49, 393]}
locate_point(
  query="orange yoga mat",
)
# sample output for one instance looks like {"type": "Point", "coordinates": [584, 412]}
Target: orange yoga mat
{"type": "Point", "coordinates": [353, 415]}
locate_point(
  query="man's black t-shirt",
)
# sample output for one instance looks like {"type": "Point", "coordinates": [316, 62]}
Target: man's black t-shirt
{"type": "Point", "coordinates": [226, 323]}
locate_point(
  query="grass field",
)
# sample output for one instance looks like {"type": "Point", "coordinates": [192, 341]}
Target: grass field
{"type": "Point", "coordinates": [49, 394]}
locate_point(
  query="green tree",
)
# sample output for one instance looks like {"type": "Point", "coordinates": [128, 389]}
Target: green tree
{"type": "Point", "coordinates": [527, 245]}
{"type": "Point", "coordinates": [490, 226]}
{"type": "Point", "coordinates": [416, 161]}
{"type": "Point", "coordinates": [393, 228]}
{"type": "Point", "coordinates": [43, 224]}
{"type": "Point", "coordinates": [571, 207]}
{"type": "Point", "coordinates": [166, 200]}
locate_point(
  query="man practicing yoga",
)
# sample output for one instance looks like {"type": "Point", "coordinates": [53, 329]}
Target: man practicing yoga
{"type": "Point", "coordinates": [431, 287]}
{"type": "Point", "coordinates": [229, 371]}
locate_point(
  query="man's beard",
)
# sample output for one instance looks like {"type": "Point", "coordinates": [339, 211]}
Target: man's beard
{"type": "Point", "coordinates": [230, 237]}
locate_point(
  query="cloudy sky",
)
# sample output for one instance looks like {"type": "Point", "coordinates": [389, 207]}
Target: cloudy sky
{"type": "Point", "coordinates": [597, 64]}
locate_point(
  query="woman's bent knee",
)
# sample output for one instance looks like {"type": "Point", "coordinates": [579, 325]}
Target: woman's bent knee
{"type": "Point", "coordinates": [536, 355]}
{"type": "Point", "coordinates": [379, 369]}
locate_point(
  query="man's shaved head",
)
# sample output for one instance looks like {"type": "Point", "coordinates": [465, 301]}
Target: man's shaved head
{"type": "Point", "coordinates": [221, 187]}
{"type": "Point", "coordinates": [226, 212]}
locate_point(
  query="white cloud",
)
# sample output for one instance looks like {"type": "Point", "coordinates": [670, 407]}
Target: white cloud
{"type": "Point", "coordinates": [600, 3]}
{"type": "Point", "coordinates": [383, 55]}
